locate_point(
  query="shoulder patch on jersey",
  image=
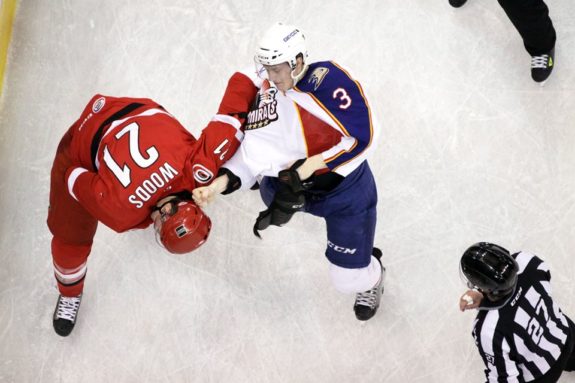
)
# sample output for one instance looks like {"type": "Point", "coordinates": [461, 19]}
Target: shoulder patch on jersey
{"type": "Point", "coordinates": [317, 76]}
{"type": "Point", "coordinates": [201, 173]}
{"type": "Point", "coordinates": [98, 104]}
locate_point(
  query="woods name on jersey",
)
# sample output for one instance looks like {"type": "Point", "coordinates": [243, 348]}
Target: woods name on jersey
{"type": "Point", "coordinates": [264, 110]}
{"type": "Point", "coordinates": [153, 184]}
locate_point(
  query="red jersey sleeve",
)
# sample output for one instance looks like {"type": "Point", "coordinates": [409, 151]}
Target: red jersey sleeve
{"type": "Point", "coordinates": [217, 143]}
{"type": "Point", "coordinates": [223, 135]}
{"type": "Point", "coordinates": [238, 97]}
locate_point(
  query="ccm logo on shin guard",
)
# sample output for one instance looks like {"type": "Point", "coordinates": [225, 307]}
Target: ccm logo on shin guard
{"type": "Point", "coordinates": [341, 249]}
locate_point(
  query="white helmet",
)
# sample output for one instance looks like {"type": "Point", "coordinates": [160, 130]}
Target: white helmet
{"type": "Point", "coordinates": [281, 43]}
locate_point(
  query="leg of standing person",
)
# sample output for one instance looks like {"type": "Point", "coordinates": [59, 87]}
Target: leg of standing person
{"type": "Point", "coordinates": [350, 214]}
{"type": "Point", "coordinates": [532, 21]}
{"type": "Point", "coordinates": [73, 230]}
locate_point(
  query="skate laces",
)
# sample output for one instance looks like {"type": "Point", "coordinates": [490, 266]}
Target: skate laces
{"type": "Point", "coordinates": [68, 307]}
{"type": "Point", "coordinates": [367, 298]}
{"type": "Point", "coordinates": [539, 61]}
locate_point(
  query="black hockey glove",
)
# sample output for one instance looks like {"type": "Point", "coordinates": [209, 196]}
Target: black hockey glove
{"type": "Point", "coordinates": [234, 182]}
{"type": "Point", "coordinates": [291, 178]}
{"type": "Point", "coordinates": [285, 204]}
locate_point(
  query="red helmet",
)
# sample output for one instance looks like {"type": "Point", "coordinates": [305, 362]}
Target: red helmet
{"type": "Point", "coordinates": [183, 228]}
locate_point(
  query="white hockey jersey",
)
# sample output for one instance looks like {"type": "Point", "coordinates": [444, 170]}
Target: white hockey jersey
{"type": "Point", "coordinates": [327, 112]}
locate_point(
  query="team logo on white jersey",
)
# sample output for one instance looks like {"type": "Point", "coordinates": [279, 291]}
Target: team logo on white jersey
{"type": "Point", "coordinates": [317, 77]}
{"type": "Point", "coordinates": [98, 104]}
{"type": "Point", "coordinates": [265, 108]}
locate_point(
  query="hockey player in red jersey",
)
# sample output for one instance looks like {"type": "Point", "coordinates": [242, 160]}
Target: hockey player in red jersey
{"type": "Point", "coordinates": [308, 132]}
{"type": "Point", "coordinates": [128, 163]}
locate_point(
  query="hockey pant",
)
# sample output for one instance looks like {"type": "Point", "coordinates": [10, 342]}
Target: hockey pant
{"type": "Point", "coordinates": [72, 227]}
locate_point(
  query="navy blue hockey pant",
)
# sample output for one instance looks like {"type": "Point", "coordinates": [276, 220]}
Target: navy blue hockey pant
{"type": "Point", "coordinates": [349, 211]}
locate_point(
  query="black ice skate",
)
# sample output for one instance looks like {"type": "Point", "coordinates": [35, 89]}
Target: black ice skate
{"type": "Point", "coordinates": [367, 302]}
{"type": "Point", "coordinates": [541, 66]}
{"type": "Point", "coordinates": [457, 3]}
{"type": "Point", "coordinates": [65, 314]}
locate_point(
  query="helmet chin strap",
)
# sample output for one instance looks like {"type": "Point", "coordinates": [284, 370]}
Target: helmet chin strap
{"type": "Point", "coordinates": [298, 77]}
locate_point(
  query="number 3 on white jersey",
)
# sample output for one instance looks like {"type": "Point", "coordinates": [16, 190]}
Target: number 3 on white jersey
{"type": "Point", "coordinates": [123, 173]}
{"type": "Point", "coordinates": [342, 95]}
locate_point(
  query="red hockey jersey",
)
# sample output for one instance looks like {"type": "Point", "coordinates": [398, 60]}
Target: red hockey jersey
{"type": "Point", "coordinates": [131, 153]}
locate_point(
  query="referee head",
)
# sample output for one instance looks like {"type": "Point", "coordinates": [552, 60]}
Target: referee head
{"type": "Point", "coordinates": [520, 332]}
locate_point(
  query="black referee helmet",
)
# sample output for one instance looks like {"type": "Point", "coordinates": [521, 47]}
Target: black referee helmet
{"type": "Point", "coordinates": [490, 269]}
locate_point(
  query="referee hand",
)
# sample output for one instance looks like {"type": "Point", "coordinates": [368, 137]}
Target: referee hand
{"type": "Point", "coordinates": [471, 299]}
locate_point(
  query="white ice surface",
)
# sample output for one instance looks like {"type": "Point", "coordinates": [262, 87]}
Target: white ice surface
{"type": "Point", "coordinates": [471, 149]}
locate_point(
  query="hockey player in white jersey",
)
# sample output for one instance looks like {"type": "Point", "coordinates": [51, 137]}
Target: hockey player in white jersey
{"type": "Point", "coordinates": [308, 132]}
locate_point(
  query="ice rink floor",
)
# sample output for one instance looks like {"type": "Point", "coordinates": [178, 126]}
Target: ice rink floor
{"type": "Point", "coordinates": [471, 149]}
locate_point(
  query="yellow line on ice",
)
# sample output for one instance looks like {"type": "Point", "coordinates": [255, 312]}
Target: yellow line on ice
{"type": "Point", "coordinates": [7, 8]}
